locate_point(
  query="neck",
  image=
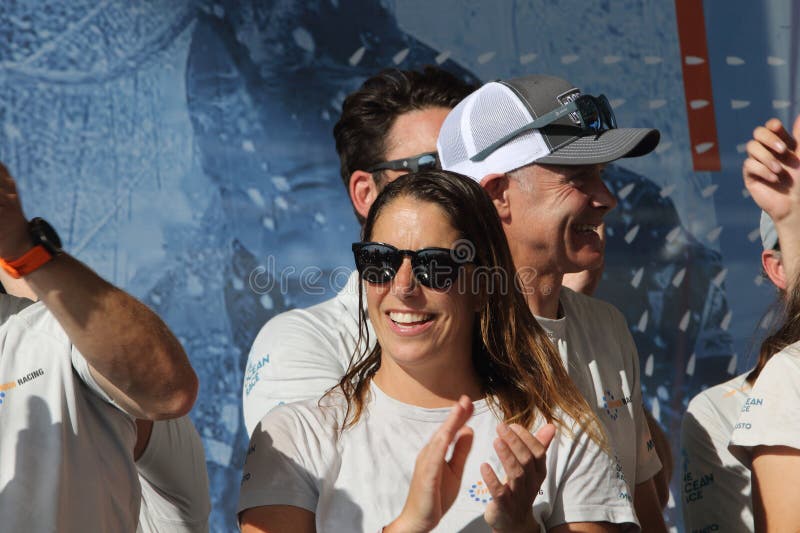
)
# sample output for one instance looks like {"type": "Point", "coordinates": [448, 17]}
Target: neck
{"type": "Point", "coordinates": [429, 387]}
{"type": "Point", "coordinates": [538, 274]}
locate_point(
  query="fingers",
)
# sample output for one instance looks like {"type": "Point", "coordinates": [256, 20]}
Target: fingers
{"type": "Point", "coordinates": [459, 414]}
{"type": "Point", "coordinates": [523, 455]}
{"type": "Point", "coordinates": [753, 169]}
{"type": "Point", "coordinates": [493, 484]}
{"type": "Point", "coordinates": [545, 435]}
{"type": "Point", "coordinates": [514, 453]}
{"type": "Point", "coordinates": [7, 184]}
{"type": "Point", "coordinates": [774, 135]}
{"type": "Point", "coordinates": [766, 153]}
{"type": "Point", "coordinates": [461, 450]}
{"type": "Point", "coordinates": [795, 133]}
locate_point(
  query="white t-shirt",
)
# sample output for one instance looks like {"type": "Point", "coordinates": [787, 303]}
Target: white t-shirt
{"type": "Point", "coordinates": [715, 487]}
{"type": "Point", "coordinates": [598, 351]}
{"type": "Point", "coordinates": [172, 473]}
{"type": "Point", "coordinates": [358, 480]}
{"type": "Point", "coordinates": [771, 415]}
{"type": "Point", "coordinates": [300, 354]}
{"type": "Point", "coordinates": [65, 450]}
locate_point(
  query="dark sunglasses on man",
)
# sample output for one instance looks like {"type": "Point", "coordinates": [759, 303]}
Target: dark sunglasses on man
{"type": "Point", "coordinates": [435, 268]}
{"type": "Point", "coordinates": [594, 115]}
{"type": "Point", "coordinates": [415, 163]}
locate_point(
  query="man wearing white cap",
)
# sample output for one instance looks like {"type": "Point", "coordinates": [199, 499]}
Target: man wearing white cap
{"type": "Point", "coordinates": [538, 146]}
{"type": "Point", "coordinates": [716, 493]}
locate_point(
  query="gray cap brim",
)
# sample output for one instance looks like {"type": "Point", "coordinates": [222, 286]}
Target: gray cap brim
{"type": "Point", "coordinates": [608, 146]}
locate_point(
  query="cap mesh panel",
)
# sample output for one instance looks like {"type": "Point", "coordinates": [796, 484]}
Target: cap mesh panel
{"type": "Point", "coordinates": [452, 149]}
{"type": "Point", "coordinates": [494, 116]}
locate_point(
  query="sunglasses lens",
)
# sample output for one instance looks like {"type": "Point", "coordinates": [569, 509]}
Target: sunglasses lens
{"type": "Point", "coordinates": [377, 263]}
{"type": "Point", "coordinates": [436, 269]}
{"type": "Point", "coordinates": [587, 108]}
{"type": "Point", "coordinates": [427, 161]}
{"type": "Point", "coordinates": [607, 113]}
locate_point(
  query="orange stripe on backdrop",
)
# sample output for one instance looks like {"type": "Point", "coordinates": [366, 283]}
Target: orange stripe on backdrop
{"type": "Point", "coordinates": [697, 85]}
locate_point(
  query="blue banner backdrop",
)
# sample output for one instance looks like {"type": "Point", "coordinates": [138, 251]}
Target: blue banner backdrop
{"type": "Point", "coordinates": [180, 147]}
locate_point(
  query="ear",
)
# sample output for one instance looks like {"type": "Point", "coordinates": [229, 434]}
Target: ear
{"type": "Point", "coordinates": [496, 186]}
{"type": "Point", "coordinates": [363, 191]}
{"type": "Point", "coordinates": [773, 266]}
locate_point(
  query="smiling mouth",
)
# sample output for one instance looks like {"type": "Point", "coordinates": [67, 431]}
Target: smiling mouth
{"type": "Point", "coordinates": [585, 228]}
{"type": "Point", "coordinates": [409, 319]}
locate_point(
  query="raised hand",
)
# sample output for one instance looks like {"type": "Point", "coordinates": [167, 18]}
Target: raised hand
{"type": "Point", "coordinates": [435, 483]}
{"type": "Point", "coordinates": [771, 171]}
{"type": "Point", "coordinates": [14, 238]}
{"type": "Point", "coordinates": [523, 457]}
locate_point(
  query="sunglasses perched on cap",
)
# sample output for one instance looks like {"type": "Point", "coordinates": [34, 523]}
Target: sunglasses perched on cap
{"type": "Point", "coordinates": [594, 115]}
{"type": "Point", "coordinates": [435, 268]}
{"type": "Point", "coordinates": [428, 160]}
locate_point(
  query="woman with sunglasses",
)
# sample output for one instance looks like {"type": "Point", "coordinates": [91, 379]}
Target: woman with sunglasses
{"type": "Point", "coordinates": [432, 428]}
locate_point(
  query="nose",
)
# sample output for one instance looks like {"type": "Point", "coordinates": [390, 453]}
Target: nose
{"type": "Point", "coordinates": [404, 282]}
{"type": "Point", "coordinates": [602, 198]}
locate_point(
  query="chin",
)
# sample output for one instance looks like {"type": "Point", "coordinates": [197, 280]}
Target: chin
{"type": "Point", "coordinates": [583, 262]}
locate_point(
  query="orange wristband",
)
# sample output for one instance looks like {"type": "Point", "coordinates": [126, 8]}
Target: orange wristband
{"type": "Point", "coordinates": [30, 261]}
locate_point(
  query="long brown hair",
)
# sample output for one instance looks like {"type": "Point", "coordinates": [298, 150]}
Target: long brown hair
{"type": "Point", "coordinates": [521, 371]}
{"type": "Point", "coordinates": [785, 334]}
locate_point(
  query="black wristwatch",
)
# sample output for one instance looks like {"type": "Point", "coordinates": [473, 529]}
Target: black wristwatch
{"type": "Point", "coordinates": [46, 245]}
{"type": "Point", "coordinates": [42, 232]}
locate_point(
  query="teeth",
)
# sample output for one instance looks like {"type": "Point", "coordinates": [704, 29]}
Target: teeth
{"type": "Point", "coordinates": [584, 227]}
{"type": "Point", "coordinates": [408, 318]}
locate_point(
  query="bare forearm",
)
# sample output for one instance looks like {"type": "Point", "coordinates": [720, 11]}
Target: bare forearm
{"type": "Point", "coordinates": [133, 355]}
{"type": "Point", "coordinates": [648, 508]}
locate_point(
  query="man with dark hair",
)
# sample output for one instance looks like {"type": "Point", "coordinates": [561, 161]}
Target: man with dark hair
{"type": "Point", "coordinates": [373, 123]}
{"type": "Point", "coordinates": [388, 127]}
{"type": "Point", "coordinates": [76, 370]}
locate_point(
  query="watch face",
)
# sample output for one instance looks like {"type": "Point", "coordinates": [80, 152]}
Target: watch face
{"type": "Point", "coordinates": [43, 233]}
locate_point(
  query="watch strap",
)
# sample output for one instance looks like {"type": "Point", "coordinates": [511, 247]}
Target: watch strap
{"type": "Point", "coordinates": [30, 261]}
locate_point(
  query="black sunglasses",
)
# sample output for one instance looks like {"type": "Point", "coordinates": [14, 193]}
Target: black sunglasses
{"type": "Point", "coordinates": [436, 268]}
{"type": "Point", "coordinates": [593, 113]}
{"type": "Point", "coordinates": [412, 164]}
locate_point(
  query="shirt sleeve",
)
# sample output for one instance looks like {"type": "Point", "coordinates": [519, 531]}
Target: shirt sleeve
{"type": "Point", "coordinates": [771, 415]}
{"type": "Point", "coordinates": [293, 358]}
{"type": "Point", "coordinates": [589, 489]}
{"type": "Point", "coordinates": [714, 488]}
{"type": "Point", "coordinates": [647, 462]}
{"type": "Point", "coordinates": [285, 461]}
{"type": "Point", "coordinates": [11, 305]}
{"type": "Point", "coordinates": [172, 471]}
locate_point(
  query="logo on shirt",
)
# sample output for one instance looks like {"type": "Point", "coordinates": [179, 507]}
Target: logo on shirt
{"type": "Point", "coordinates": [612, 405]}
{"type": "Point", "coordinates": [479, 492]}
{"type": "Point", "coordinates": [5, 388]}
{"type": "Point", "coordinates": [752, 402]}
{"type": "Point", "coordinates": [252, 374]}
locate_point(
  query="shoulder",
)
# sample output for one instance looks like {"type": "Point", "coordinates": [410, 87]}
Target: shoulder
{"type": "Point", "coordinates": [731, 392]}
{"type": "Point", "coordinates": [34, 318]}
{"type": "Point", "coordinates": [712, 413]}
{"type": "Point", "coordinates": [11, 305]}
{"type": "Point", "coordinates": [325, 322]}
{"type": "Point", "coordinates": [320, 419]}
{"type": "Point", "coordinates": [591, 311]}
{"type": "Point", "coordinates": [783, 369]}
